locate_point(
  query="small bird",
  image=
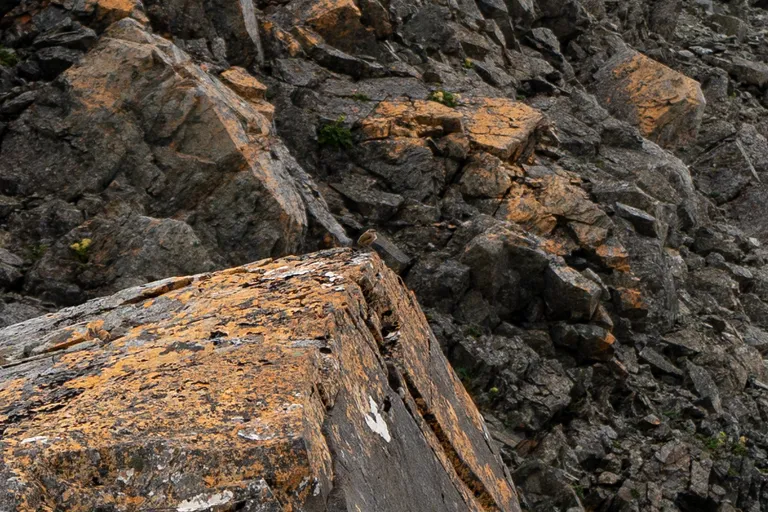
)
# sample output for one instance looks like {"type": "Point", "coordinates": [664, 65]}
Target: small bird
{"type": "Point", "coordinates": [367, 238]}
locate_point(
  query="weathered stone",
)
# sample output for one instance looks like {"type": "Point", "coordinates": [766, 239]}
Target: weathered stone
{"type": "Point", "coordinates": [54, 60]}
{"type": "Point", "coordinates": [749, 71]}
{"type": "Point", "coordinates": [374, 204]}
{"type": "Point", "coordinates": [589, 341]}
{"type": "Point", "coordinates": [232, 23]}
{"type": "Point", "coordinates": [417, 118]}
{"type": "Point", "coordinates": [667, 106]}
{"type": "Point", "coordinates": [499, 126]}
{"type": "Point", "coordinates": [569, 294]}
{"type": "Point", "coordinates": [243, 83]}
{"type": "Point", "coordinates": [502, 127]}
{"type": "Point", "coordinates": [705, 387]}
{"type": "Point", "coordinates": [189, 148]}
{"type": "Point", "coordinates": [659, 362]}
{"type": "Point", "coordinates": [334, 377]}
{"type": "Point", "coordinates": [485, 176]}
{"type": "Point", "coordinates": [731, 25]}
{"type": "Point", "coordinates": [644, 223]}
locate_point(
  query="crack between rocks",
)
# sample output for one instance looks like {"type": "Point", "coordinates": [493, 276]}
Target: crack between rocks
{"type": "Point", "coordinates": [401, 383]}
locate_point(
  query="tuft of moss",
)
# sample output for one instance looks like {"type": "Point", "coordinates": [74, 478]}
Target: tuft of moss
{"type": "Point", "coordinates": [473, 330]}
{"type": "Point", "coordinates": [467, 64]}
{"type": "Point", "coordinates": [359, 96]}
{"type": "Point", "coordinates": [8, 58]}
{"type": "Point", "coordinates": [81, 249]}
{"type": "Point", "coordinates": [446, 98]}
{"type": "Point", "coordinates": [335, 134]}
{"type": "Point", "coordinates": [464, 374]}
{"type": "Point", "coordinates": [36, 252]}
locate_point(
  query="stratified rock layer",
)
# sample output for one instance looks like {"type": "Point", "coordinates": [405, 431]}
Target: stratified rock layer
{"type": "Point", "coordinates": [309, 383]}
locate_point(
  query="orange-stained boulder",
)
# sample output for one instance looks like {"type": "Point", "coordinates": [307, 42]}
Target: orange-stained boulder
{"type": "Point", "coordinates": [502, 127]}
{"type": "Point", "coordinates": [306, 383]}
{"type": "Point", "coordinates": [665, 105]}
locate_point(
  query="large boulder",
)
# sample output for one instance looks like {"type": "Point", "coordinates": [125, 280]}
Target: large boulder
{"type": "Point", "coordinates": [141, 128]}
{"type": "Point", "coordinates": [665, 105]}
{"type": "Point", "coordinates": [307, 383]}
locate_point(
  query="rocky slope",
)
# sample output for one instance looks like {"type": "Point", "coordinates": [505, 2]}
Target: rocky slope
{"type": "Point", "coordinates": [574, 189]}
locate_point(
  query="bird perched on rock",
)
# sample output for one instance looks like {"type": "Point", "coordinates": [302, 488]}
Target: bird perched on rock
{"type": "Point", "coordinates": [367, 238]}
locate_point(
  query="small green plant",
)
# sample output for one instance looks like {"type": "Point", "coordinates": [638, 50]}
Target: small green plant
{"type": "Point", "coordinates": [521, 97]}
{"type": "Point", "coordinates": [359, 96]}
{"type": "Point", "coordinates": [36, 252]}
{"type": "Point", "coordinates": [493, 391]}
{"type": "Point", "coordinates": [446, 98]}
{"type": "Point", "coordinates": [635, 494]}
{"type": "Point", "coordinates": [732, 472]}
{"type": "Point", "coordinates": [579, 490]}
{"type": "Point", "coordinates": [714, 443]}
{"type": "Point", "coordinates": [81, 249]}
{"type": "Point", "coordinates": [8, 58]}
{"type": "Point", "coordinates": [464, 374]}
{"type": "Point", "coordinates": [473, 330]}
{"type": "Point", "coordinates": [671, 414]}
{"type": "Point", "coordinates": [740, 448]}
{"type": "Point", "coordinates": [335, 134]}
{"type": "Point", "coordinates": [467, 64]}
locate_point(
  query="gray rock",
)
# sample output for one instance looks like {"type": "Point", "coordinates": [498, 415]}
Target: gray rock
{"type": "Point", "coordinates": [644, 223]}
{"type": "Point", "coordinates": [748, 71]}
{"type": "Point", "coordinates": [659, 362]}
{"type": "Point", "coordinates": [569, 294]}
{"type": "Point", "coordinates": [705, 387]}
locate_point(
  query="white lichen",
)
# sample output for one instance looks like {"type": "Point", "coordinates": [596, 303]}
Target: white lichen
{"type": "Point", "coordinates": [376, 422]}
{"type": "Point", "coordinates": [205, 501]}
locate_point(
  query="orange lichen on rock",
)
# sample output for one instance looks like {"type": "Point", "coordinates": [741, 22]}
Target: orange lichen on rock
{"type": "Point", "coordinates": [244, 84]}
{"type": "Point", "coordinates": [109, 11]}
{"type": "Point", "coordinates": [417, 118]}
{"type": "Point", "coordinates": [665, 105]}
{"type": "Point", "coordinates": [281, 382]}
{"type": "Point", "coordinates": [502, 127]}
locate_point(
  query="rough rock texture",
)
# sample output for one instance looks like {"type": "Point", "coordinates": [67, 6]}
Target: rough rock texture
{"type": "Point", "coordinates": [583, 228]}
{"type": "Point", "coordinates": [308, 383]}
{"type": "Point", "coordinates": [665, 105]}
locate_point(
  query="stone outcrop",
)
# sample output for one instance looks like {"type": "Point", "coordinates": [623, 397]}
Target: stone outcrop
{"type": "Point", "coordinates": [665, 105]}
{"type": "Point", "coordinates": [160, 144]}
{"type": "Point", "coordinates": [306, 383]}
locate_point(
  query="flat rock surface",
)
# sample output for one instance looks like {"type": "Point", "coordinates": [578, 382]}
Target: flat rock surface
{"type": "Point", "coordinates": [309, 383]}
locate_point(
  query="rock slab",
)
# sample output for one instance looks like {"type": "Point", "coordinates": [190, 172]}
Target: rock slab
{"type": "Point", "coordinates": [305, 383]}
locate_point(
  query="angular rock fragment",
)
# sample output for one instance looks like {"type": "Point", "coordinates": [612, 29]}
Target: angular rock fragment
{"type": "Point", "coordinates": [285, 383]}
{"type": "Point", "coordinates": [659, 362]}
{"type": "Point", "coordinates": [750, 72]}
{"type": "Point", "coordinates": [644, 223]}
{"type": "Point", "coordinates": [705, 387]}
{"type": "Point", "coordinates": [502, 127]}
{"type": "Point", "coordinates": [589, 341]}
{"type": "Point", "coordinates": [569, 294]}
{"type": "Point", "coordinates": [667, 106]}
